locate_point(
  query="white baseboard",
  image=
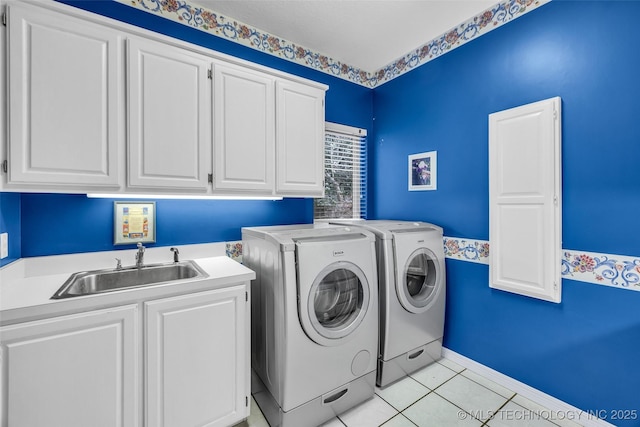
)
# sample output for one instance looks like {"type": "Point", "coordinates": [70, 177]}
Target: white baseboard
{"type": "Point", "coordinates": [556, 405]}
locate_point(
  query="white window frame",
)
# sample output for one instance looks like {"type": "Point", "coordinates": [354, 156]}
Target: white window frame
{"type": "Point", "coordinates": [356, 184]}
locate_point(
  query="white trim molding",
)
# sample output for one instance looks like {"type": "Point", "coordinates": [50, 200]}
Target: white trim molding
{"type": "Point", "coordinates": [557, 409]}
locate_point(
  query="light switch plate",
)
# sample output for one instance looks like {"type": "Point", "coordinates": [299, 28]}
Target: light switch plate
{"type": "Point", "coordinates": [4, 245]}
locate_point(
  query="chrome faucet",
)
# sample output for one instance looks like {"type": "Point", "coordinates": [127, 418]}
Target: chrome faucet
{"type": "Point", "coordinates": [175, 254]}
{"type": "Point", "coordinates": [140, 256]}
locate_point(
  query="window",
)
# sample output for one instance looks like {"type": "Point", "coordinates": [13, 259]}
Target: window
{"type": "Point", "coordinates": [345, 173]}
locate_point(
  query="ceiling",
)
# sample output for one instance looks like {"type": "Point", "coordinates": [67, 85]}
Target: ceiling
{"type": "Point", "coordinates": [367, 34]}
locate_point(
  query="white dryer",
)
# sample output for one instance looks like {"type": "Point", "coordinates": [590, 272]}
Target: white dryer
{"type": "Point", "coordinates": [411, 273]}
{"type": "Point", "coordinates": [314, 320]}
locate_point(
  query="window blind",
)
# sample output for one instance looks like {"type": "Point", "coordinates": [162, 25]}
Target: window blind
{"type": "Point", "coordinates": [345, 174]}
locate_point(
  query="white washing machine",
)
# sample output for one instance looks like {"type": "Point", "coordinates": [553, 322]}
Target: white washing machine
{"type": "Point", "coordinates": [314, 319]}
{"type": "Point", "coordinates": [411, 273]}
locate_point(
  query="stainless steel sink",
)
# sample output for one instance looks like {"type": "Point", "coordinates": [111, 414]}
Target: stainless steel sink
{"type": "Point", "coordinates": [100, 281]}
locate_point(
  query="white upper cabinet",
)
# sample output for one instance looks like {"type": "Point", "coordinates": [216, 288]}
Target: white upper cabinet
{"type": "Point", "coordinates": [244, 130]}
{"type": "Point", "coordinates": [95, 105]}
{"type": "Point", "coordinates": [300, 139]}
{"type": "Point", "coordinates": [169, 103]}
{"type": "Point", "coordinates": [64, 87]}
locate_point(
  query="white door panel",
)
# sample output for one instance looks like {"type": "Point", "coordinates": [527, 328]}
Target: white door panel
{"type": "Point", "coordinates": [299, 140]}
{"type": "Point", "coordinates": [525, 195]}
{"type": "Point", "coordinates": [64, 93]}
{"type": "Point", "coordinates": [197, 360]}
{"type": "Point", "coordinates": [244, 134]}
{"type": "Point", "coordinates": [74, 371]}
{"type": "Point", "coordinates": [169, 117]}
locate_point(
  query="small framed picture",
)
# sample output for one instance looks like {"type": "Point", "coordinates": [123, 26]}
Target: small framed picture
{"type": "Point", "coordinates": [423, 168]}
{"type": "Point", "coordinates": [134, 222]}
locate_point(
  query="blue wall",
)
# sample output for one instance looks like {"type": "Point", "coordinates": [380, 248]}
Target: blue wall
{"type": "Point", "coordinates": [10, 223]}
{"type": "Point", "coordinates": [71, 223]}
{"type": "Point", "coordinates": [584, 350]}
{"type": "Point", "coordinates": [46, 224]}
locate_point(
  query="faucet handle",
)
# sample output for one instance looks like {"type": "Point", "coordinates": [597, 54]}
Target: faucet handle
{"type": "Point", "coordinates": [118, 264]}
{"type": "Point", "coordinates": [175, 254]}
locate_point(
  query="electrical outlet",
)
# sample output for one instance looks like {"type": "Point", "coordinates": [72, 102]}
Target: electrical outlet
{"type": "Point", "coordinates": [4, 245]}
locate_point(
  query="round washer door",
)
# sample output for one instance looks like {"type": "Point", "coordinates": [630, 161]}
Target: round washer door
{"type": "Point", "coordinates": [419, 281]}
{"type": "Point", "coordinates": [336, 304]}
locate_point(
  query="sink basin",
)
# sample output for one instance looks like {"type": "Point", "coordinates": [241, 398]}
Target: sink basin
{"type": "Point", "coordinates": [100, 281]}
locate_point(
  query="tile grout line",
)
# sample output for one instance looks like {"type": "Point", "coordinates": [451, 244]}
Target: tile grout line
{"type": "Point", "coordinates": [340, 421]}
{"type": "Point", "coordinates": [430, 390]}
{"type": "Point", "coordinates": [498, 410]}
{"type": "Point", "coordinates": [398, 412]}
{"type": "Point", "coordinates": [457, 406]}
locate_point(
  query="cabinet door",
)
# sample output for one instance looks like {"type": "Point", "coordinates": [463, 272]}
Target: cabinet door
{"type": "Point", "coordinates": [64, 94]}
{"type": "Point", "coordinates": [197, 366]}
{"type": "Point", "coordinates": [72, 371]}
{"type": "Point", "coordinates": [525, 200]}
{"type": "Point", "coordinates": [244, 111]}
{"type": "Point", "coordinates": [169, 117]}
{"type": "Point", "coordinates": [300, 140]}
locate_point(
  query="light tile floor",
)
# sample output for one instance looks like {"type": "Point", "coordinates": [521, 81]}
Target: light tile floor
{"type": "Point", "coordinates": [442, 394]}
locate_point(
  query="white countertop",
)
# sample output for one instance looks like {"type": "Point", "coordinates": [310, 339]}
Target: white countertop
{"type": "Point", "coordinates": [26, 286]}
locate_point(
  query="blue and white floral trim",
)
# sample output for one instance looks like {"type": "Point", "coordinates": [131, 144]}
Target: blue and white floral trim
{"type": "Point", "coordinates": [618, 271]}
{"type": "Point", "coordinates": [207, 20]}
{"type": "Point", "coordinates": [494, 17]}
{"type": "Point", "coordinates": [467, 250]}
{"type": "Point", "coordinates": [234, 250]}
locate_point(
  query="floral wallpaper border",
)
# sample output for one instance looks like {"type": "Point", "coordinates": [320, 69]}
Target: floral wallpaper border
{"type": "Point", "coordinates": [234, 250]}
{"type": "Point", "coordinates": [466, 249]}
{"type": "Point", "coordinates": [209, 21]}
{"type": "Point", "coordinates": [618, 271]}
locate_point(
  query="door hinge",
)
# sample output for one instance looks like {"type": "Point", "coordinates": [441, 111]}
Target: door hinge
{"type": "Point", "coordinates": [4, 18]}
{"type": "Point", "coordinates": [5, 166]}
{"type": "Point", "coordinates": [210, 74]}
{"type": "Point", "coordinates": [555, 114]}
{"type": "Point", "coordinates": [246, 296]}
{"type": "Point", "coordinates": [246, 401]}
{"type": "Point", "coordinates": [555, 200]}
{"type": "Point", "coordinates": [210, 178]}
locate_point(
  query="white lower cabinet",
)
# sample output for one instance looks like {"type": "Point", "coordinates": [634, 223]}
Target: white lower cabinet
{"type": "Point", "coordinates": [185, 359]}
{"type": "Point", "coordinates": [71, 371]}
{"type": "Point", "coordinates": [197, 370]}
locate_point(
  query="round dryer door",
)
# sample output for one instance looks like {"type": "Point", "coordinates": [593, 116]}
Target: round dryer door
{"type": "Point", "coordinates": [419, 284]}
{"type": "Point", "coordinates": [338, 301]}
